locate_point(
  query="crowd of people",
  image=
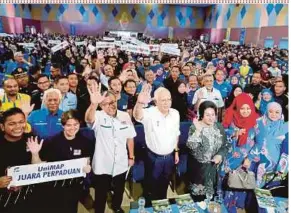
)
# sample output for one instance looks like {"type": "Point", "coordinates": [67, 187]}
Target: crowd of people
{"type": "Point", "coordinates": [78, 102]}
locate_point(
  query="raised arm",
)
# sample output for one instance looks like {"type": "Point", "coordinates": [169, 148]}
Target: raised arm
{"type": "Point", "coordinates": [34, 147]}
{"type": "Point", "coordinates": [95, 98]}
{"type": "Point", "coordinates": [143, 98]}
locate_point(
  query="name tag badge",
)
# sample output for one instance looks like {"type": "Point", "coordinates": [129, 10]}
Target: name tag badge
{"type": "Point", "coordinates": [124, 107]}
{"type": "Point", "coordinates": [77, 152]}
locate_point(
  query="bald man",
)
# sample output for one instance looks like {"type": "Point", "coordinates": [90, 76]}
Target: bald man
{"type": "Point", "coordinates": [162, 130]}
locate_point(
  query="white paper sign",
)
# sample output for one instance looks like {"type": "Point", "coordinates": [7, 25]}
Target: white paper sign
{"type": "Point", "coordinates": [80, 43]}
{"type": "Point", "coordinates": [137, 42]}
{"type": "Point", "coordinates": [103, 45]}
{"type": "Point", "coordinates": [170, 50]}
{"type": "Point", "coordinates": [118, 43]}
{"type": "Point", "coordinates": [170, 45]}
{"type": "Point", "coordinates": [60, 46]}
{"type": "Point", "coordinates": [54, 42]}
{"type": "Point", "coordinates": [26, 44]}
{"type": "Point", "coordinates": [45, 172]}
{"type": "Point", "coordinates": [91, 48]}
{"type": "Point", "coordinates": [154, 47]}
{"type": "Point", "coordinates": [108, 39]}
{"type": "Point", "coordinates": [138, 49]}
{"type": "Point", "coordinates": [5, 35]}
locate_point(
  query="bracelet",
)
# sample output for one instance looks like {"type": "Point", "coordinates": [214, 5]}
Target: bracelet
{"type": "Point", "coordinates": [132, 158]}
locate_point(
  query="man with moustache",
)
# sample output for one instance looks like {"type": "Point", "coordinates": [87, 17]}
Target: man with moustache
{"type": "Point", "coordinates": [114, 131]}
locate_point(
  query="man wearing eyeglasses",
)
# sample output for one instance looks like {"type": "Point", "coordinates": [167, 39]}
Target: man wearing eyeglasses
{"type": "Point", "coordinates": [43, 84]}
{"type": "Point", "coordinates": [162, 130]}
{"type": "Point", "coordinates": [114, 131]}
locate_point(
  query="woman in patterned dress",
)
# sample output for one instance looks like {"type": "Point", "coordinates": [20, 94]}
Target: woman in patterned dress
{"type": "Point", "coordinates": [208, 146]}
{"type": "Point", "coordinates": [271, 132]}
{"type": "Point", "coordinates": [240, 121]}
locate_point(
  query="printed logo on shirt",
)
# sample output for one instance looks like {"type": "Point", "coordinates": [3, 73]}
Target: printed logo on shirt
{"type": "Point", "coordinates": [77, 152]}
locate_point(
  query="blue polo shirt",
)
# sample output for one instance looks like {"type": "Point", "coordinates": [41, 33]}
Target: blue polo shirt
{"type": "Point", "coordinates": [224, 88]}
{"type": "Point", "coordinates": [44, 124]}
{"type": "Point", "coordinates": [69, 101]}
{"type": "Point", "coordinates": [12, 65]}
{"type": "Point", "coordinates": [122, 102]}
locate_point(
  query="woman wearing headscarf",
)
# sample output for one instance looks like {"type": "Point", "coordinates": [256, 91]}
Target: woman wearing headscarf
{"type": "Point", "coordinates": [240, 121]}
{"type": "Point", "coordinates": [179, 100]}
{"type": "Point", "coordinates": [271, 132]}
{"type": "Point", "coordinates": [236, 90]}
{"type": "Point", "coordinates": [266, 98]}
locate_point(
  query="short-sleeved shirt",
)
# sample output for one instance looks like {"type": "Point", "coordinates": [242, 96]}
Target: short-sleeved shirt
{"type": "Point", "coordinates": [69, 101]}
{"type": "Point", "coordinates": [58, 148]}
{"type": "Point", "coordinates": [111, 134]}
{"type": "Point", "coordinates": [213, 96]}
{"type": "Point", "coordinates": [161, 132]}
{"type": "Point", "coordinates": [8, 104]}
{"type": "Point", "coordinates": [224, 88]}
{"type": "Point", "coordinates": [44, 124]}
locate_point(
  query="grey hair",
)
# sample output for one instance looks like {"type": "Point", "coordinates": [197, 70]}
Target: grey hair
{"type": "Point", "coordinates": [49, 91]}
{"type": "Point", "coordinates": [159, 91]}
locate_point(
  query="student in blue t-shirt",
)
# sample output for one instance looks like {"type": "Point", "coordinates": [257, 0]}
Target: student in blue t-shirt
{"type": "Point", "coordinates": [221, 85]}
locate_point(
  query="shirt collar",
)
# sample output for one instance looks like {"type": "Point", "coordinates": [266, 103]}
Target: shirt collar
{"type": "Point", "coordinates": [5, 97]}
{"type": "Point", "coordinates": [48, 113]}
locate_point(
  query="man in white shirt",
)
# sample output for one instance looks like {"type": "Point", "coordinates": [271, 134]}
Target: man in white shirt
{"type": "Point", "coordinates": [275, 71]}
{"type": "Point", "coordinates": [208, 93]}
{"type": "Point", "coordinates": [162, 130]}
{"type": "Point", "coordinates": [113, 130]}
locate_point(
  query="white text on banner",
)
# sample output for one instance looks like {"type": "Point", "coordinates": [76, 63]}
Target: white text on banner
{"type": "Point", "coordinates": [170, 50]}
{"type": "Point", "coordinates": [59, 46]}
{"type": "Point", "coordinates": [45, 172]}
{"type": "Point", "coordinates": [103, 45]}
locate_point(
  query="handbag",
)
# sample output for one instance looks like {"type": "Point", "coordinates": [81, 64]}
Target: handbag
{"type": "Point", "coordinates": [241, 179]}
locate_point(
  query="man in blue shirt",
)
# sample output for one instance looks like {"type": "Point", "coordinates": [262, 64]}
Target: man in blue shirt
{"type": "Point", "coordinates": [221, 85]}
{"type": "Point", "coordinates": [69, 100]}
{"type": "Point", "coordinates": [46, 122]}
{"type": "Point", "coordinates": [19, 61]}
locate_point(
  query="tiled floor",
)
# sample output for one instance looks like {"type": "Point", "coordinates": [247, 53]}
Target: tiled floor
{"type": "Point", "coordinates": [126, 199]}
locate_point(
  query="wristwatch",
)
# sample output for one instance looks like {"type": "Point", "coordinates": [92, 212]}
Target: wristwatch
{"type": "Point", "coordinates": [132, 158]}
{"type": "Point", "coordinates": [176, 150]}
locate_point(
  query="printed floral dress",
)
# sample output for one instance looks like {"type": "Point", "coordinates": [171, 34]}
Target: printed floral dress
{"type": "Point", "coordinates": [202, 172]}
{"type": "Point", "coordinates": [237, 199]}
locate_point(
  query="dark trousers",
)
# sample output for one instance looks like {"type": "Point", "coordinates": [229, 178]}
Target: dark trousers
{"type": "Point", "coordinates": [103, 183]}
{"type": "Point", "coordinates": [158, 173]}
